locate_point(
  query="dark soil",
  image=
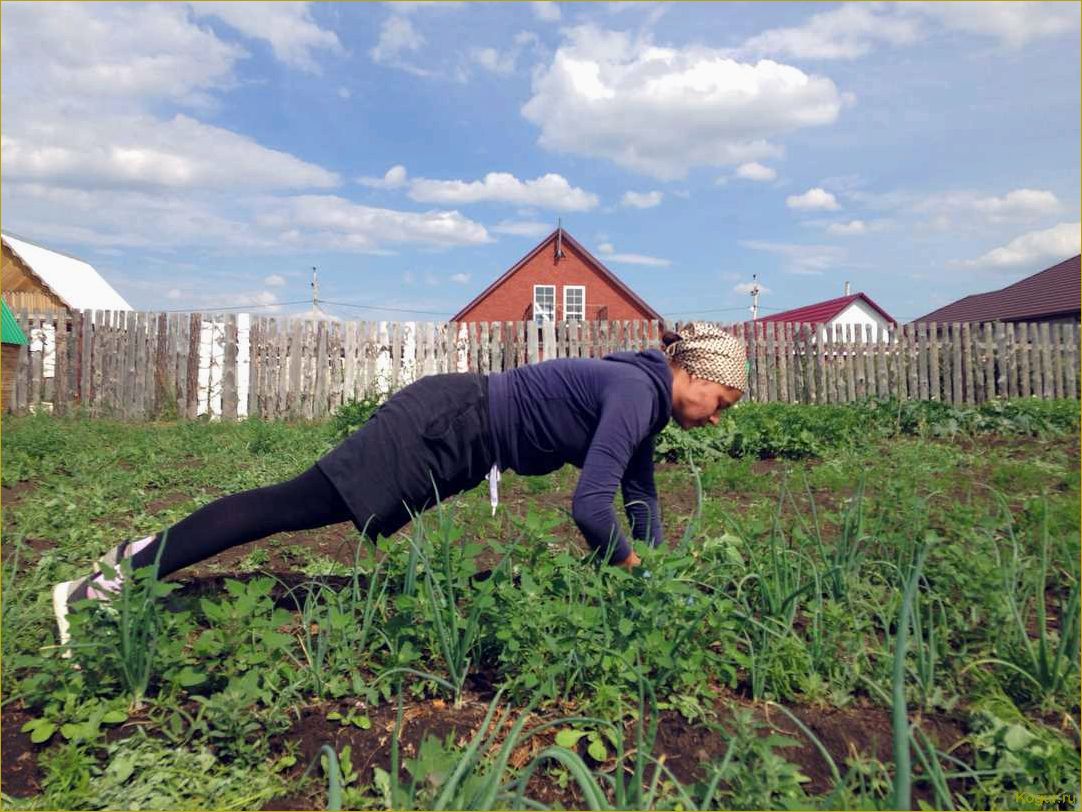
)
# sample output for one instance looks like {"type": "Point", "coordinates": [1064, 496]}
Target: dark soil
{"type": "Point", "coordinates": [19, 773]}
{"type": "Point", "coordinates": [337, 542]}
{"type": "Point", "coordinates": [10, 497]}
{"type": "Point", "coordinates": [31, 551]}
{"type": "Point", "coordinates": [167, 501]}
{"type": "Point", "coordinates": [687, 746]}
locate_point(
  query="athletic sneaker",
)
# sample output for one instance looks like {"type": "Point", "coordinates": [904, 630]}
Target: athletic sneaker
{"type": "Point", "coordinates": [91, 587]}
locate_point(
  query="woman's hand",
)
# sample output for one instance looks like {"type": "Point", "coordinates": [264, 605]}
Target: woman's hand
{"type": "Point", "coordinates": [630, 562]}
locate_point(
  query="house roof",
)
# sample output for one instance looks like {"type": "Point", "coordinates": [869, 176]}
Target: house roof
{"type": "Point", "coordinates": [10, 331]}
{"type": "Point", "coordinates": [1053, 291]}
{"type": "Point", "coordinates": [74, 281]}
{"type": "Point", "coordinates": [568, 239]}
{"type": "Point", "coordinates": [822, 312]}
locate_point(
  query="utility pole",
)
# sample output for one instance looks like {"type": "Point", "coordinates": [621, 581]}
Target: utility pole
{"type": "Point", "coordinates": [754, 296]}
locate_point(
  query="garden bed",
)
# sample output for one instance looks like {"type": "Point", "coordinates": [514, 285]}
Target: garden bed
{"type": "Point", "coordinates": [777, 596]}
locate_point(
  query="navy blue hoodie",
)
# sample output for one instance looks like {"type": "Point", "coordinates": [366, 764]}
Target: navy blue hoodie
{"type": "Point", "coordinates": [600, 415]}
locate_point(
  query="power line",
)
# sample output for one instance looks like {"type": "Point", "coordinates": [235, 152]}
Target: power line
{"type": "Point", "coordinates": [250, 306]}
{"type": "Point", "coordinates": [384, 307]}
{"type": "Point", "coordinates": [719, 310]}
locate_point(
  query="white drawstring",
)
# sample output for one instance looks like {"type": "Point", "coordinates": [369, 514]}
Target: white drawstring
{"type": "Point", "coordinates": [493, 478]}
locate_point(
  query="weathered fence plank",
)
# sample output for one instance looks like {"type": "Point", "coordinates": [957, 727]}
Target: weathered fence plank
{"type": "Point", "coordinates": [1070, 340]}
{"type": "Point", "coordinates": [133, 364]}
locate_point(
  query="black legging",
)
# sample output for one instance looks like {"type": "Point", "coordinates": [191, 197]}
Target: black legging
{"type": "Point", "coordinates": [301, 503]}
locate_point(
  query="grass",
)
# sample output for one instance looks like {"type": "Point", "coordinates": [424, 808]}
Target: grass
{"type": "Point", "coordinates": [790, 584]}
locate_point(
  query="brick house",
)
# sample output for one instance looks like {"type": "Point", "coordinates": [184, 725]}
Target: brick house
{"type": "Point", "coordinates": [558, 280]}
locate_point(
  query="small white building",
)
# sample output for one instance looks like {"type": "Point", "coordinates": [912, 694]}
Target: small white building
{"type": "Point", "coordinates": [857, 310]}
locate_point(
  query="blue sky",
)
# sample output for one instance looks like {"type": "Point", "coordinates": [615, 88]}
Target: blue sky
{"type": "Point", "coordinates": [206, 155]}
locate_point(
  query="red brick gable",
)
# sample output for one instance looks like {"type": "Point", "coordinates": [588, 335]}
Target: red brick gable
{"type": "Point", "coordinates": [510, 297]}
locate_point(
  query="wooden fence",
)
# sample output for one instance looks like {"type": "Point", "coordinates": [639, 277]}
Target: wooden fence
{"type": "Point", "coordinates": [145, 365]}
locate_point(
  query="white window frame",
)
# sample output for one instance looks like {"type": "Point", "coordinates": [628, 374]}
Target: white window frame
{"type": "Point", "coordinates": [539, 315]}
{"type": "Point", "coordinates": [581, 288]}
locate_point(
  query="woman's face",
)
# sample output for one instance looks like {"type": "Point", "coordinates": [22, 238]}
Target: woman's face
{"type": "Point", "coordinates": [698, 402]}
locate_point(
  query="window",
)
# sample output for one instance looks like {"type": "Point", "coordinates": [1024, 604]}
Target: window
{"type": "Point", "coordinates": [544, 303]}
{"type": "Point", "coordinates": [575, 302]}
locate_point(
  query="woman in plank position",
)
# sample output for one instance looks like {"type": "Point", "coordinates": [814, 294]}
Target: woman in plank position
{"type": "Point", "coordinates": [444, 433]}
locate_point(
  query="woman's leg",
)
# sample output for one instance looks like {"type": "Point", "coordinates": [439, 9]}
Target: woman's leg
{"type": "Point", "coordinates": [302, 503]}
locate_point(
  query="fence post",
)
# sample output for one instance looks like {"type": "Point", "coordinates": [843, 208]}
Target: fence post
{"type": "Point", "coordinates": [548, 336]}
{"type": "Point", "coordinates": [531, 343]}
{"type": "Point", "coordinates": [999, 352]}
{"type": "Point", "coordinates": [229, 369]}
{"type": "Point", "coordinates": [847, 381]}
{"type": "Point", "coordinates": [195, 328]}
{"type": "Point", "coordinates": [1070, 340]}
{"type": "Point", "coordinates": [936, 389]}
{"type": "Point", "coordinates": [1012, 359]}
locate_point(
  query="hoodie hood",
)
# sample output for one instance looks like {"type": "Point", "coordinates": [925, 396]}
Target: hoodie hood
{"type": "Point", "coordinates": [656, 366]}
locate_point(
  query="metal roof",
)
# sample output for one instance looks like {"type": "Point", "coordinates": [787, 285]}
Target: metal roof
{"type": "Point", "coordinates": [1055, 291]}
{"type": "Point", "coordinates": [823, 312]}
{"type": "Point", "coordinates": [10, 331]}
{"type": "Point", "coordinates": [74, 281]}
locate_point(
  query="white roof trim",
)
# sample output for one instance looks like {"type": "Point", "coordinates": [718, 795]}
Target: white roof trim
{"type": "Point", "coordinates": [76, 282]}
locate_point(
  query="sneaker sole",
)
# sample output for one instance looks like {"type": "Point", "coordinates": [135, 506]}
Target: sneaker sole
{"type": "Point", "coordinates": [60, 611]}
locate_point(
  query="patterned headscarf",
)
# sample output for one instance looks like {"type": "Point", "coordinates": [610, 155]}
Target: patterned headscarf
{"type": "Point", "coordinates": [706, 351]}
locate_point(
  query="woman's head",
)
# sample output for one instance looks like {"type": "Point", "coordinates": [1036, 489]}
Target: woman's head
{"type": "Point", "coordinates": [709, 373]}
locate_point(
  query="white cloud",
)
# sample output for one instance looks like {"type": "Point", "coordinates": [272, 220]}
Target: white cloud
{"type": "Point", "coordinates": [604, 94]}
{"type": "Point", "coordinates": [609, 254]}
{"type": "Point", "coordinates": [502, 64]}
{"type": "Point", "coordinates": [344, 92]}
{"type": "Point", "coordinates": [288, 27]}
{"type": "Point", "coordinates": [407, 7]}
{"type": "Point", "coordinates": [1013, 24]}
{"type": "Point", "coordinates": [522, 228]}
{"type": "Point", "coordinates": [960, 208]}
{"type": "Point", "coordinates": [846, 32]}
{"type": "Point", "coordinates": [396, 37]}
{"type": "Point", "coordinates": [258, 224]}
{"type": "Point", "coordinates": [549, 191]}
{"type": "Point", "coordinates": [460, 278]}
{"type": "Point", "coordinates": [755, 171]}
{"type": "Point", "coordinates": [546, 11]}
{"type": "Point", "coordinates": [852, 228]}
{"type": "Point", "coordinates": [854, 29]}
{"type": "Point", "coordinates": [1019, 204]}
{"type": "Point", "coordinates": [747, 287]}
{"type": "Point", "coordinates": [338, 223]}
{"type": "Point", "coordinates": [173, 294]}
{"type": "Point", "coordinates": [815, 199]}
{"type": "Point", "coordinates": [641, 200]}
{"type": "Point", "coordinates": [393, 178]}
{"type": "Point", "coordinates": [142, 151]}
{"type": "Point", "coordinates": [267, 300]}
{"type": "Point", "coordinates": [1034, 248]}
{"type": "Point", "coordinates": [802, 260]}
{"type": "Point", "coordinates": [127, 56]}
{"type": "Point", "coordinates": [275, 280]}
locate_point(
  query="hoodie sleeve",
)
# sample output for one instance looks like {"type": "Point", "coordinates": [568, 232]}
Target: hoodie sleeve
{"type": "Point", "coordinates": [640, 495]}
{"type": "Point", "coordinates": [624, 424]}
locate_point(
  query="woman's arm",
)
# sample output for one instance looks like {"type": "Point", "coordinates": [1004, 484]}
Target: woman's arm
{"type": "Point", "coordinates": [623, 425]}
{"type": "Point", "coordinates": [640, 495]}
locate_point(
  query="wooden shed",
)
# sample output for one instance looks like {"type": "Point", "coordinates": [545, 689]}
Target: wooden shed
{"type": "Point", "coordinates": [12, 340]}
{"type": "Point", "coordinates": [42, 280]}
